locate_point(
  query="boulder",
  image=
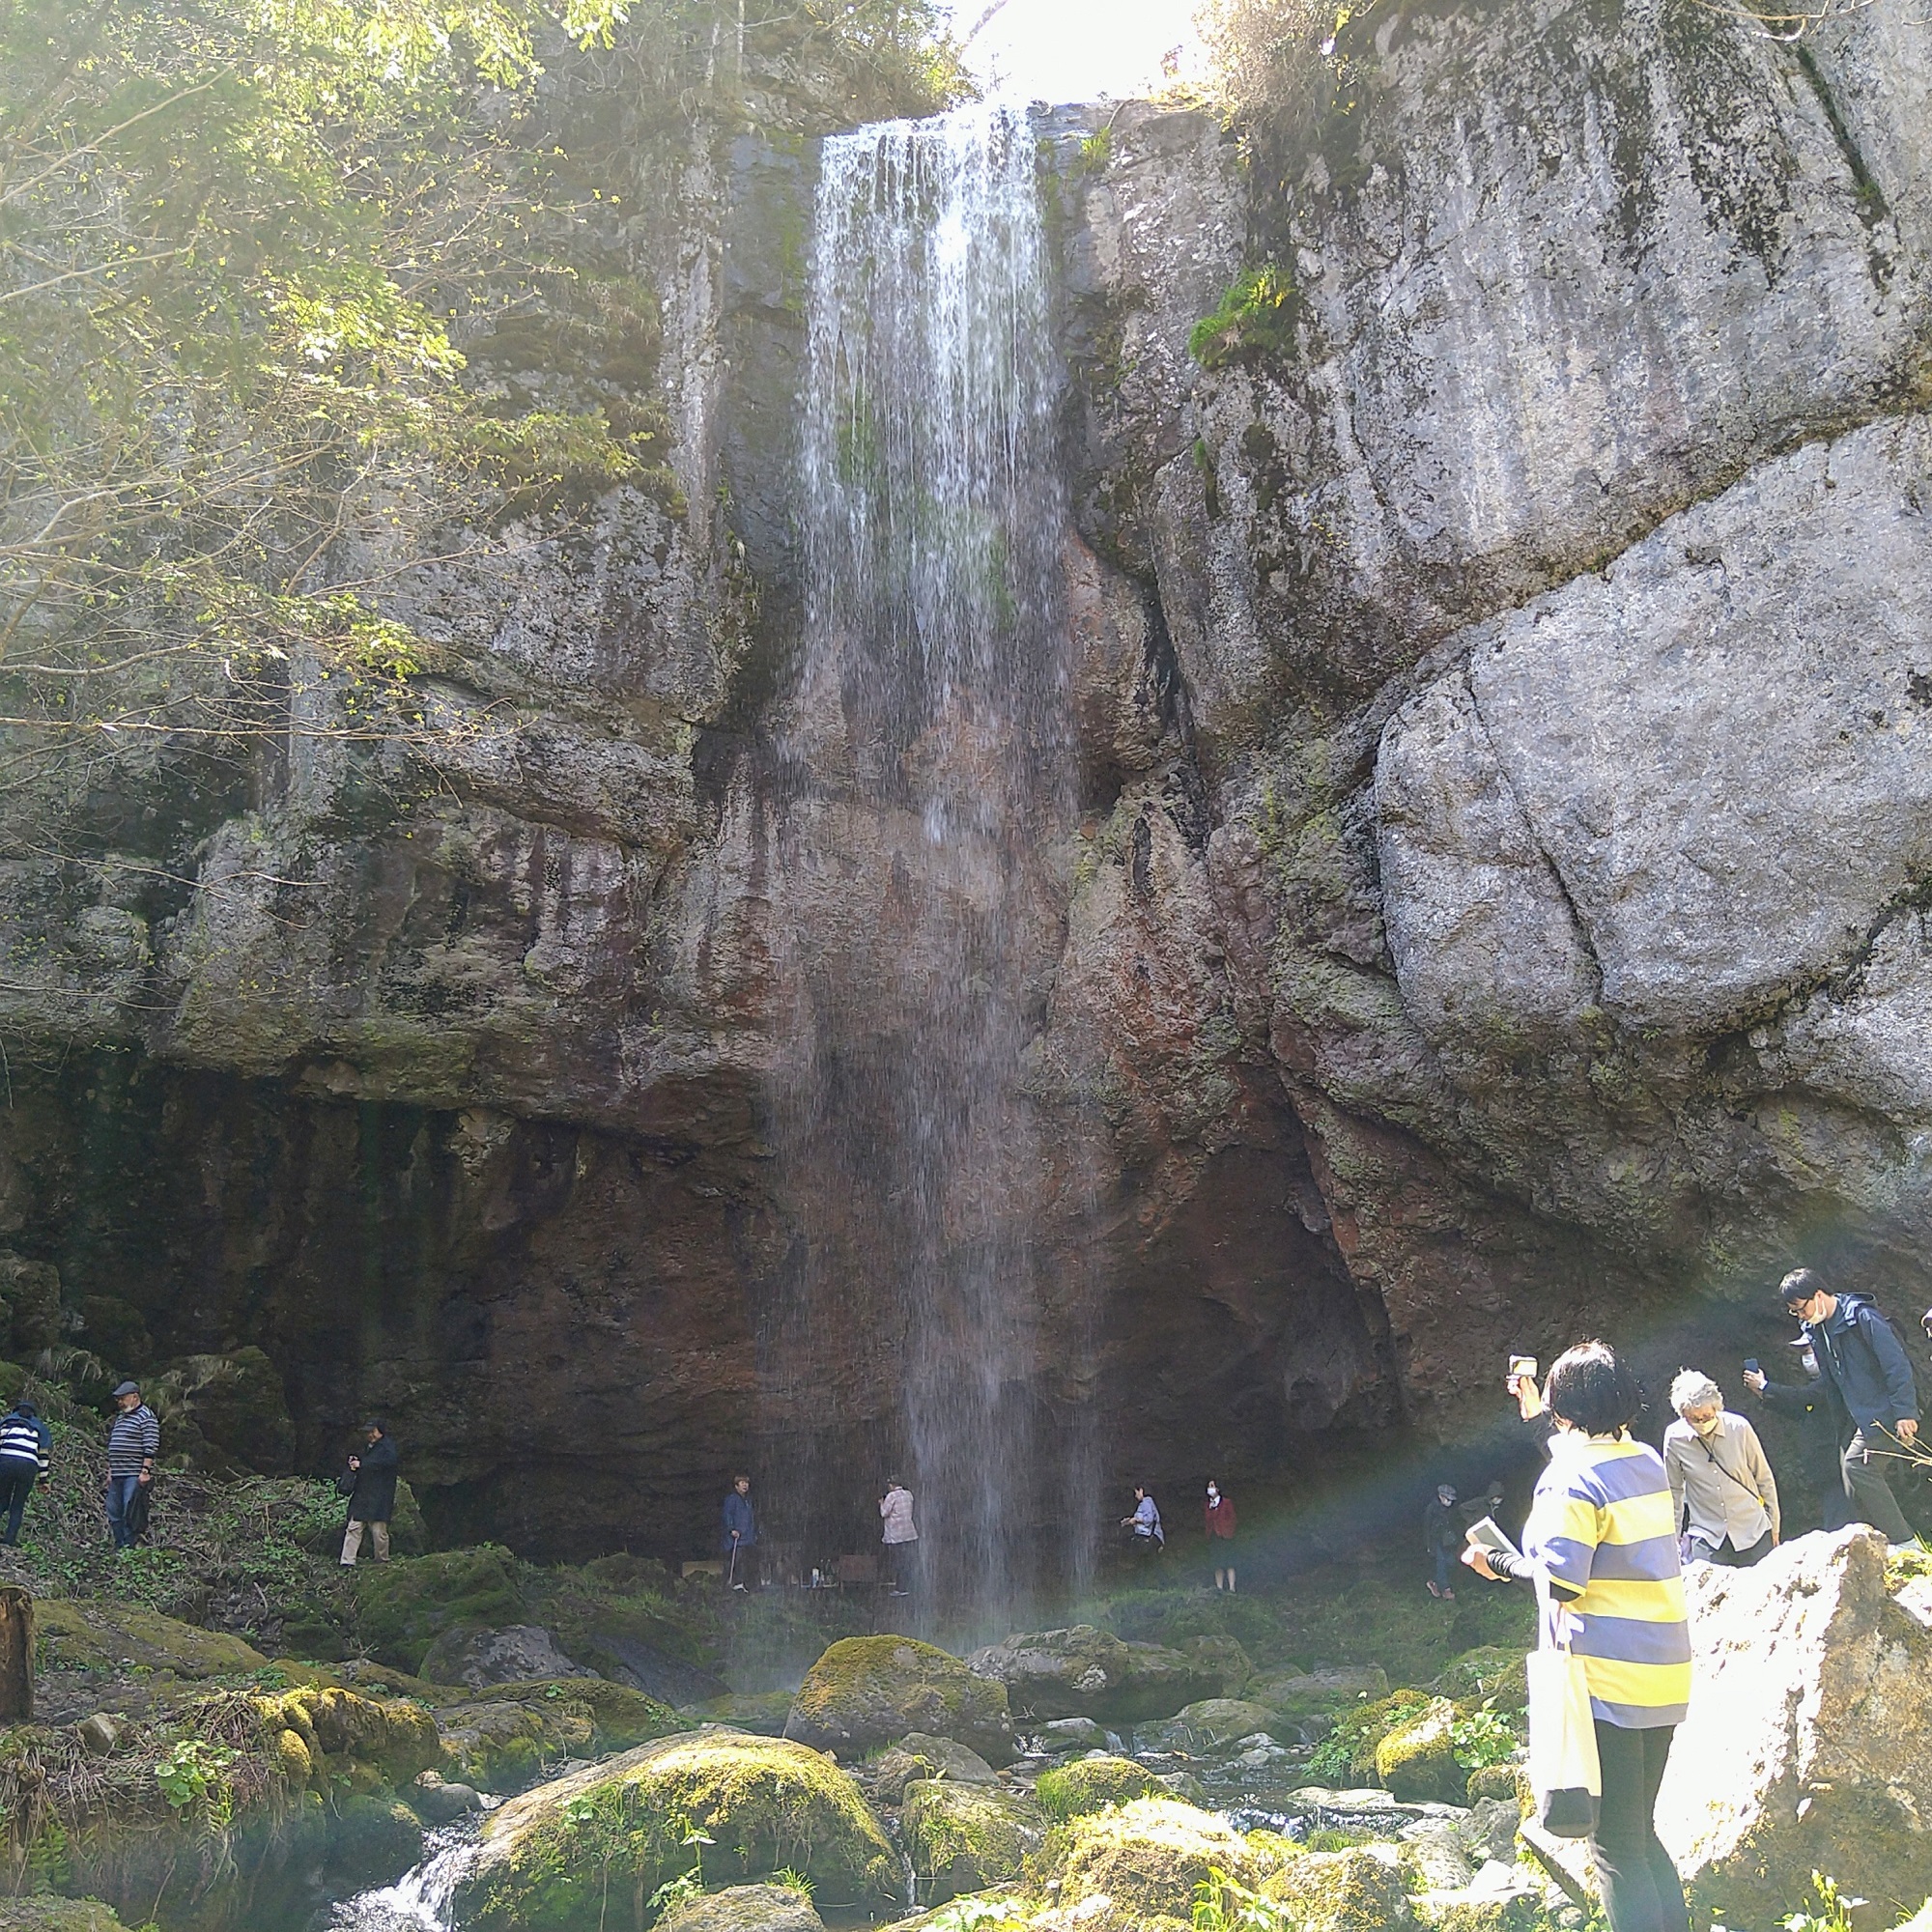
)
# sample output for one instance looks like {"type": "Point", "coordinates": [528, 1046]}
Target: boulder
{"type": "Point", "coordinates": [1416, 1758]}
{"type": "Point", "coordinates": [1808, 1744]}
{"type": "Point", "coordinates": [762, 1711]}
{"type": "Point", "coordinates": [920, 1755]}
{"type": "Point", "coordinates": [869, 1690]}
{"type": "Point", "coordinates": [550, 1858]}
{"type": "Point", "coordinates": [1091, 1785]}
{"type": "Point", "coordinates": [1088, 1672]}
{"type": "Point", "coordinates": [500, 1745]}
{"type": "Point", "coordinates": [439, 1801]}
{"type": "Point", "coordinates": [87, 1635]}
{"type": "Point", "coordinates": [1224, 1657]}
{"type": "Point", "coordinates": [42, 1912]}
{"type": "Point", "coordinates": [1145, 1860]}
{"type": "Point", "coordinates": [1211, 1723]}
{"type": "Point", "coordinates": [1356, 1890]}
{"type": "Point", "coordinates": [962, 1837]}
{"type": "Point", "coordinates": [1319, 1692]}
{"type": "Point", "coordinates": [746, 1907]}
{"type": "Point", "coordinates": [1071, 1734]}
{"type": "Point", "coordinates": [517, 1654]}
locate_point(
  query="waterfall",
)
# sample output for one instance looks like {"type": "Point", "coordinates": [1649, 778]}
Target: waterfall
{"type": "Point", "coordinates": [420, 1900]}
{"type": "Point", "coordinates": [927, 764]}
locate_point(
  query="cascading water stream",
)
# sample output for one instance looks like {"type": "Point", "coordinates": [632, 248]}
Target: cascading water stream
{"type": "Point", "coordinates": [928, 766]}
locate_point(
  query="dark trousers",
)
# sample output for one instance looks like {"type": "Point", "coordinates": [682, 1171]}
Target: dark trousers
{"type": "Point", "coordinates": [1641, 1887]}
{"type": "Point", "coordinates": [899, 1567]}
{"type": "Point", "coordinates": [16, 1484]}
{"type": "Point", "coordinates": [1868, 1491]}
{"type": "Point", "coordinates": [1726, 1555]}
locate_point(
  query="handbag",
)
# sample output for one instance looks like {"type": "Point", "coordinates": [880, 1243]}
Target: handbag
{"type": "Point", "coordinates": [1565, 1773]}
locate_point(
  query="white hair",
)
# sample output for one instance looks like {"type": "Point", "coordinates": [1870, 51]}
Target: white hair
{"type": "Point", "coordinates": [1695, 1389]}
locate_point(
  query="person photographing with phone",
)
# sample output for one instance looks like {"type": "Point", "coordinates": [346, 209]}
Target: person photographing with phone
{"type": "Point", "coordinates": [1601, 1547]}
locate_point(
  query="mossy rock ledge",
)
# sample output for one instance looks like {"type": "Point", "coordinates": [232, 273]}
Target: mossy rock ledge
{"type": "Point", "coordinates": [866, 1692]}
{"type": "Point", "coordinates": [745, 1908]}
{"type": "Point", "coordinates": [962, 1837]}
{"type": "Point", "coordinates": [1146, 1859]}
{"type": "Point", "coordinates": [1356, 1890]}
{"type": "Point", "coordinates": [554, 1859]}
{"type": "Point", "coordinates": [1092, 1785]}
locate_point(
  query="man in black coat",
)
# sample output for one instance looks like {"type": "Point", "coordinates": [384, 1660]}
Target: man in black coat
{"type": "Point", "coordinates": [371, 1488]}
{"type": "Point", "coordinates": [1863, 1364]}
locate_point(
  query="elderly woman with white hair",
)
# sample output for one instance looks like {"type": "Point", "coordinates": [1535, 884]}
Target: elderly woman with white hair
{"type": "Point", "coordinates": [1720, 1478]}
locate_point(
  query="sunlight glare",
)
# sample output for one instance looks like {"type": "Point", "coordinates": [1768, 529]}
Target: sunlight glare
{"type": "Point", "coordinates": [1056, 50]}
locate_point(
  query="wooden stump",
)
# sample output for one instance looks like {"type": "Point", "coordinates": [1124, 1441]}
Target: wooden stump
{"type": "Point", "coordinates": [16, 1655]}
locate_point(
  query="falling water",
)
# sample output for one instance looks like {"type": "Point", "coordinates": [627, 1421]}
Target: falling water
{"type": "Point", "coordinates": [927, 755]}
{"type": "Point", "coordinates": [420, 1900]}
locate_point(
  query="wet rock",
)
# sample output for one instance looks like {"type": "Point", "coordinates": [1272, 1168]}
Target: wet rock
{"type": "Point", "coordinates": [1319, 1692]}
{"type": "Point", "coordinates": [518, 1654]}
{"type": "Point", "coordinates": [1092, 1783]}
{"type": "Point", "coordinates": [1416, 1758]}
{"type": "Point", "coordinates": [867, 1690]}
{"type": "Point", "coordinates": [1489, 1830]}
{"type": "Point", "coordinates": [1439, 1852]}
{"type": "Point", "coordinates": [547, 1857]}
{"type": "Point", "coordinates": [1225, 1656]}
{"type": "Point", "coordinates": [440, 1800]}
{"type": "Point", "coordinates": [1208, 1725]}
{"type": "Point", "coordinates": [1146, 1859]}
{"type": "Point", "coordinates": [1087, 1672]}
{"type": "Point", "coordinates": [923, 1756]}
{"type": "Point", "coordinates": [745, 1908]}
{"type": "Point", "coordinates": [1808, 1745]}
{"type": "Point", "coordinates": [1081, 1734]}
{"type": "Point", "coordinates": [962, 1837]}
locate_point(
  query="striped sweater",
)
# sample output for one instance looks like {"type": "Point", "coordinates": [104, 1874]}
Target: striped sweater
{"type": "Point", "coordinates": [1604, 1528]}
{"type": "Point", "coordinates": [135, 1438]}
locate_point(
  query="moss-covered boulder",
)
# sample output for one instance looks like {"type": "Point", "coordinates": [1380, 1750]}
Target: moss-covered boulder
{"type": "Point", "coordinates": [373, 1837]}
{"type": "Point", "coordinates": [90, 1635]}
{"type": "Point", "coordinates": [1091, 1785]}
{"type": "Point", "coordinates": [1494, 1670]}
{"type": "Point", "coordinates": [1083, 1671]}
{"type": "Point", "coordinates": [867, 1690]}
{"type": "Point", "coordinates": [42, 1912]}
{"type": "Point", "coordinates": [745, 1908]}
{"type": "Point", "coordinates": [553, 1857]}
{"type": "Point", "coordinates": [502, 1745]}
{"type": "Point", "coordinates": [1146, 1859]}
{"type": "Point", "coordinates": [962, 1837]}
{"type": "Point", "coordinates": [402, 1607]}
{"type": "Point", "coordinates": [396, 1735]}
{"type": "Point", "coordinates": [920, 1755]}
{"type": "Point", "coordinates": [1497, 1782]}
{"type": "Point", "coordinates": [1355, 1891]}
{"type": "Point", "coordinates": [1226, 1658]}
{"type": "Point", "coordinates": [1416, 1758]}
{"type": "Point", "coordinates": [1309, 1693]}
{"type": "Point", "coordinates": [1212, 1722]}
{"type": "Point", "coordinates": [1521, 1911]}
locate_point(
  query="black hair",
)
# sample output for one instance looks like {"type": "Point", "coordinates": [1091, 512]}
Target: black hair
{"type": "Point", "coordinates": [1591, 1387]}
{"type": "Point", "coordinates": [1800, 1285]}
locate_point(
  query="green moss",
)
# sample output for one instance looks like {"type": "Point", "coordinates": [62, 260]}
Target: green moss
{"type": "Point", "coordinates": [1091, 1785]}
{"type": "Point", "coordinates": [1491, 1671]}
{"type": "Point", "coordinates": [1347, 1755]}
{"type": "Point", "coordinates": [396, 1735]}
{"type": "Point", "coordinates": [1415, 1758]}
{"type": "Point", "coordinates": [553, 1858]}
{"type": "Point", "coordinates": [962, 1837]}
{"type": "Point", "coordinates": [866, 1691]}
{"type": "Point", "coordinates": [1147, 1859]}
{"type": "Point", "coordinates": [94, 1635]}
{"type": "Point", "coordinates": [402, 1607]}
{"type": "Point", "coordinates": [44, 1912]}
{"type": "Point", "coordinates": [1341, 1891]}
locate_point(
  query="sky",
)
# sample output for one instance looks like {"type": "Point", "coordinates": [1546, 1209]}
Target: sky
{"type": "Point", "coordinates": [1076, 49]}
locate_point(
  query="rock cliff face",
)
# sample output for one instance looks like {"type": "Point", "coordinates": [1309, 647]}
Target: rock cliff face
{"type": "Point", "coordinates": [1504, 705]}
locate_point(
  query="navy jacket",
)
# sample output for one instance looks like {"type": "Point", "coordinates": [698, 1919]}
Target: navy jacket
{"type": "Point", "coordinates": [738, 1516]}
{"type": "Point", "coordinates": [1864, 1364]}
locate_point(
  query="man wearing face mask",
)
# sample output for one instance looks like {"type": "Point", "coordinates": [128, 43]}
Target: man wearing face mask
{"type": "Point", "coordinates": [1720, 1480]}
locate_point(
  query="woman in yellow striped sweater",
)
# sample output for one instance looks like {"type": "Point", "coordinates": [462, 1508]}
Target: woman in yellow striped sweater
{"type": "Point", "coordinates": [1603, 1531]}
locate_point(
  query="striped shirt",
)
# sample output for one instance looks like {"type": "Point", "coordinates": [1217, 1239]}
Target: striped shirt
{"type": "Point", "coordinates": [135, 1438]}
{"type": "Point", "coordinates": [1604, 1528]}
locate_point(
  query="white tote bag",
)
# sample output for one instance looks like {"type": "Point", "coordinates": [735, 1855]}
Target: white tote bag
{"type": "Point", "coordinates": [1564, 1771]}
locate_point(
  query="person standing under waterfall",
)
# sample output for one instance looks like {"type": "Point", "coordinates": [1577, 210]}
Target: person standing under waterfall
{"type": "Point", "coordinates": [1219, 1511]}
{"type": "Point", "coordinates": [738, 1537]}
{"type": "Point", "coordinates": [1720, 1480]}
{"type": "Point", "coordinates": [1601, 1546]}
{"type": "Point", "coordinates": [900, 1537]}
{"type": "Point", "coordinates": [1144, 1534]}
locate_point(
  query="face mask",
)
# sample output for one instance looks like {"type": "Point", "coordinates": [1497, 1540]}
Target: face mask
{"type": "Point", "coordinates": [1709, 1426]}
{"type": "Point", "coordinates": [1214, 1494]}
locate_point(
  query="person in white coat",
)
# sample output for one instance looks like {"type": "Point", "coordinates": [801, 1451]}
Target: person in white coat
{"type": "Point", "coordinates": [900, 1535]}
{"type": "Point", "coordinates": [1720, 1479]}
